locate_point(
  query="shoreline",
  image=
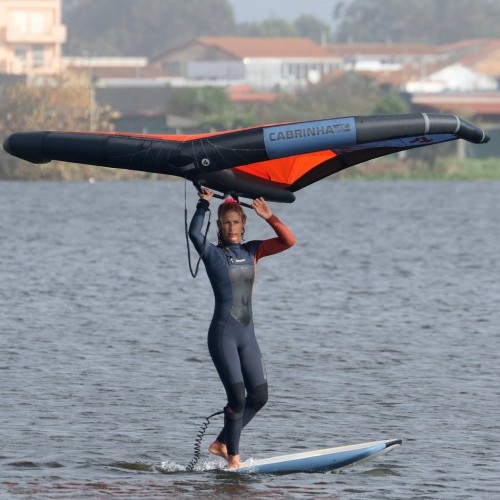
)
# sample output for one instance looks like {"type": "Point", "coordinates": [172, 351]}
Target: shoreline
{"type": "Point", "coordinates": [378, 169]}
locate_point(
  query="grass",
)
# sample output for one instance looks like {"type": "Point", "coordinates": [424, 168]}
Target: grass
{"type": "Point", "coordinates": [444, 168]}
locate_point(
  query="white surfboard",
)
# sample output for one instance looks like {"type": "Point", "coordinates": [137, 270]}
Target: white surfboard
{"type": "Point", "coordinates": [323, 460]}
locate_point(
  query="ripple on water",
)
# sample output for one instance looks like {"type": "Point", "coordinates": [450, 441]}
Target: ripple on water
{"type": "Point", "coordinates": [382, 322]}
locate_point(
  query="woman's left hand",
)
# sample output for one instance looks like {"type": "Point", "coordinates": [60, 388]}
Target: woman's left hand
{"type": "Point", "coordinates": [261, 208]}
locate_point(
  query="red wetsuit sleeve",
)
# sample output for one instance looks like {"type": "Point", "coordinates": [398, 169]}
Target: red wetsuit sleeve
{"type": "Point", "coordinates": [285, 239]}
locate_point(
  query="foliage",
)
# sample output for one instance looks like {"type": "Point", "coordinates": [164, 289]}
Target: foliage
{"type": "Point", "coordinates": [446, 167]}
{"type": "Point", "coordinates": [305, 26]}
{"type": "Point", "coordinates": [391, 103]}
{"type": "Point", "coordinates": [471, 168]}
{"type": "Point", "coordinates": [345, 95]}
{"type": "Point", "coordinates": [148, 27]}
{"type": "Point", "coordinates": [348, 94]}
{"type": "Point", "coordinates": [425, 21]}
{"type": "Point", "coordinates": [268, 28]}
{"type": "Point", "coordinates": [313, 28]}
{"type": "Point", "coordinates": [142, 27]}
{"type": "Point", "coordinates": [209, 106]}
{"type": "Point", "coordinates": [198, 102]}
{"type": "Point", "coordinates": [64, 104]}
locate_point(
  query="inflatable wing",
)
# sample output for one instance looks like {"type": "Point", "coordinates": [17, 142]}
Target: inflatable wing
{"type": "Point", "coordinates": [272, 161]}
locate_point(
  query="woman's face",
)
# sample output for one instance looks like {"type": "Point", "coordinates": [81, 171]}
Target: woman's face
{"type": "Point", "coordinates": [231, 226]}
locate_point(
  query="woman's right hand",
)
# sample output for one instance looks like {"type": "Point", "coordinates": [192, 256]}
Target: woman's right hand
{"type": "Point", "coordinates": [205, 194]}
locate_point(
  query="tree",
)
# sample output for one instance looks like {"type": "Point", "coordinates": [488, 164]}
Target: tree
{"type": "Point", "coordinates": [271, 27]}
{"type": "Point", "coordinates": [66, 104]}
{"type": "Point", "coordinates": [304, 26]}
{"type": "Point", "coordinates": [210, 107]}
{"type": "Point", "coordinates": [147, 27]}
{"type": "Point", "coordinates": [391, 103]}
{"type": "Point", "coordinates": [347, 95]}
{"type": "Point", "coordinates": [429, 21]}
{"type": "Point", "coordinates": [311, 27]}
{"type": "Point", "coordinates": [142, 27]}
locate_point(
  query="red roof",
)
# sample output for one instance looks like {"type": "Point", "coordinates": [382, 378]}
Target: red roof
{"type": "Point", "coordinates": [242, 47]}
{"type": "Point", "coordinates": [243, 94]}
{"type": "Point", "coordinates": [479, 54]}
{"type": "Point", "coordinates": [395, 49]}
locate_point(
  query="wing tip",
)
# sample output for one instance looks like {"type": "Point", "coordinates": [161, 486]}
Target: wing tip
{"type": "Point", "coordinates": [26, 146]}
{"type": "Point", "coordinates": [471, 133]}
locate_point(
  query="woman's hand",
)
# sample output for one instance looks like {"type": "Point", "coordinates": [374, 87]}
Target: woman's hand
{"type": "Point", "coordinates": [205, 194]}
{"type": "Point", "coordinates": [262, 208]}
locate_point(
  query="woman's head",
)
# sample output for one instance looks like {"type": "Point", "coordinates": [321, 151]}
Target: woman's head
{"type": "Point", "coordinates": [230, 222]}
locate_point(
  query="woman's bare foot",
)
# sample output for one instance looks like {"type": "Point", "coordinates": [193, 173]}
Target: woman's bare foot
{"type": "Point", "coordinates": [219, 449]}
{"type": "Point", "coordinates": [233, 461]}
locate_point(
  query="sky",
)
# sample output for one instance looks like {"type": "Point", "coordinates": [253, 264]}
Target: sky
{"type": "Point", "coordinates": [257, 10]}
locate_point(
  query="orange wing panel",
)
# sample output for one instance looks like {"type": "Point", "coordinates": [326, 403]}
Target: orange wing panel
{"type": "Point", "coordinates": [286, 171]}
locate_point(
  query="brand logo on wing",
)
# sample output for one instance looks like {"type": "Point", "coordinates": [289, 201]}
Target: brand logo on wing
{"type": "Point", "coordinates": [317, 130]}
{"type": "Point", "coordinates": [308, 137]}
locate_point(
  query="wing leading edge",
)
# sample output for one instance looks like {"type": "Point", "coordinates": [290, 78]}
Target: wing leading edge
{"type": "Point", "coordinates": [272, 161]}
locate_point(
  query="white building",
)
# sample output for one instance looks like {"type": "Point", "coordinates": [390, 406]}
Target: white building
{"type": "Point", "coordinates": [263, 63]}
{"type": "Point", "coordinates": [453, 78]}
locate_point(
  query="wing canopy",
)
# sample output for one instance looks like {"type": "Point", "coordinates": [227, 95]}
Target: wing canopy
{"type": "Point", "coordinates": [269, 160]}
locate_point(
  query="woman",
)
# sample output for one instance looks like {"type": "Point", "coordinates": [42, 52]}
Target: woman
{"type": "Point", "coordinates": [231, 339]}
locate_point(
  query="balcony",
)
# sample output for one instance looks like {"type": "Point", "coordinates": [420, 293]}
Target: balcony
{"type": "Point", "coordinates": [57, 34]}
{"type": "Point", "coordinates": [13, 66]}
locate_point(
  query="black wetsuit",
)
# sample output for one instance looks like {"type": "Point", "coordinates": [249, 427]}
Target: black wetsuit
{"type": "Point", "coordinates": [231, 338]}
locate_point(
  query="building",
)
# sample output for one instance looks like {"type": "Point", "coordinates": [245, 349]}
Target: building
{"type": "Point", "coordinates": [384, 57]}
{"type": "Point", "coordinates": [262, 63]}
{"type": "Point", "coordinates": [31, 37]}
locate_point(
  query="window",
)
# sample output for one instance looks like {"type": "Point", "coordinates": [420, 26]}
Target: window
{"type": "Point", "coordinates": [28, 22]}
{"type": "Point", "coordinates": [20, 53]}
{"type": "Point", "coordinates": [20, 21]}
{"type": "Point", "coordinates": [37, 23]}
{"type": "Point", "coordinates": [38, 55]}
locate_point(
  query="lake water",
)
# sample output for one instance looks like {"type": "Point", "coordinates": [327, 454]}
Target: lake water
{"type": "Point", "coordinates": [382, 322]}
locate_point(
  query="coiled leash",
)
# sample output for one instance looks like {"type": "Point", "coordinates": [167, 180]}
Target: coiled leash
{"type": "Point", "coordinates": [199, 437]}
{"type": "Point", "coordinates": [197, 267]}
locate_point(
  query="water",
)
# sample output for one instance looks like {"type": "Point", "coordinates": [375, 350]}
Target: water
{"type": "Point", "coordinates": [381, 323]}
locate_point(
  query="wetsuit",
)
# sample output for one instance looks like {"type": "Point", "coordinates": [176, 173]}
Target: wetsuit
{"type": "Point", "coordinates": [231, 338]}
